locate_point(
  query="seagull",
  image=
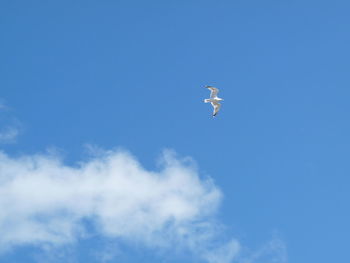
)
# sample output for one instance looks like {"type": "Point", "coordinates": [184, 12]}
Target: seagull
{"type": "Point", "coordinates": [214, 99]}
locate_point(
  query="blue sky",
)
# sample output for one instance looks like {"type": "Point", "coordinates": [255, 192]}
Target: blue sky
{"type": "Point", "coordinates": [114, 78]}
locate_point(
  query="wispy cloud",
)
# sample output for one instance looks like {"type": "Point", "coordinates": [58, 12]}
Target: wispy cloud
{"type": "Point", "coordinates": [9, 126]}
{"type": "Point", "coordinates": [43, 201]}
{"type": "Point", "coordinates": [9, 134]}
{"type": "Point", "coordinates": [2, 105]}
{"type": "Point", "coordinates": [273, 251]}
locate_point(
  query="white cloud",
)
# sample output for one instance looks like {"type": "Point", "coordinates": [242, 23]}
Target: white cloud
{"type": "Point", "coordinates": [44, 202]}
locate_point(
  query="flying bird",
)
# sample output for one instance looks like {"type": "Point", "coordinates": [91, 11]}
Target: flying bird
{"type": "Point", "coordinates": [214, 99]}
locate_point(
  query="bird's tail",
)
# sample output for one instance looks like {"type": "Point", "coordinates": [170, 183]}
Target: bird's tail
{"type": "Point", "coordinates": [207, 100]}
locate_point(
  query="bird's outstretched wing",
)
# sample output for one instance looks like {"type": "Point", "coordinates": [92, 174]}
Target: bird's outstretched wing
{"type": "Point", "coordinates": [214, 91]}
{"type": "Point", "coordinates": [216, 106]}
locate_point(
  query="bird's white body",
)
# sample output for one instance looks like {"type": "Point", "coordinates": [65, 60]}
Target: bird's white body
{"type": "Point", "coordinates": [214, 99]}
